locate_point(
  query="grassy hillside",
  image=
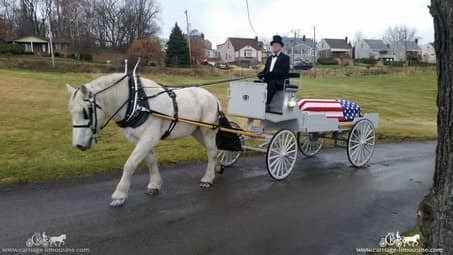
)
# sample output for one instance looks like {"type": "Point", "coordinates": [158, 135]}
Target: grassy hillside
{"type": "Point", "coordinates": [35, 128]}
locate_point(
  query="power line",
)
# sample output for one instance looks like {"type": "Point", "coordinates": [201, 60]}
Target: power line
{"type": "Point", "coordinates": [188, 38]}
{"type": "Point", "coordinates": [250, 20]}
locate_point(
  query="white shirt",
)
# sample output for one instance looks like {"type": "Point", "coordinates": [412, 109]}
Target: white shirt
{"type": "Point", "coordinates": [274, 59]}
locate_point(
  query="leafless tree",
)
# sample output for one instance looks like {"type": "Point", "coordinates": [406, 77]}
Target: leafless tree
{"type": "Point", "coordinates": [397, 37]}
{"type": "Point", "coordinates": [86, 23]}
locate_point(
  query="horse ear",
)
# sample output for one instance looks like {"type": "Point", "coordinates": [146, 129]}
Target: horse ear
{"type": "Point", "coordinates": [70, 89]}
{"type": "Point", "coordinates": [84, 90]}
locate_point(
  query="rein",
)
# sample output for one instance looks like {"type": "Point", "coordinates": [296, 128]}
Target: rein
{"type": "Point", "coordinates": [137, 110]}
{"type": "Point", "coordinates": [136, 113]}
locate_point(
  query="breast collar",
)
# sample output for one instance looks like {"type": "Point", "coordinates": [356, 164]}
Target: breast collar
{"type": "Point", "coordinates": [138, 109]}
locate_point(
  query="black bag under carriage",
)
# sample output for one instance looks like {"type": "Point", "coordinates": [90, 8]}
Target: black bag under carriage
{"type": "Point", "coordinates": [225, 140]}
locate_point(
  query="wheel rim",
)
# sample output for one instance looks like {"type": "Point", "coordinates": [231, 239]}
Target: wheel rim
{"type": "Point", "coordinates": [309, 147]}
{"type": "Point", "coordinates": [228, 158]}
{"type": "Point", "coordinates": [281, 154]}
{"type": "Point", "coordinates": [361, 142]}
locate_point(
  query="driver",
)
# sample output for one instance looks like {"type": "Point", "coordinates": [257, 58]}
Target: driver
{"type": "Point", "coordinates": [276, 69]}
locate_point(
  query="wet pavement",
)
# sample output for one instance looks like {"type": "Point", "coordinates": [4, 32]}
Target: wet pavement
{"type": "Point", "coordinates": [324, 207]}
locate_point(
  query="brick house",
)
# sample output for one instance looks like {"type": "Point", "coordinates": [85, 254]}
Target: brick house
{"type": "Point", "coordinates": [245, 52]}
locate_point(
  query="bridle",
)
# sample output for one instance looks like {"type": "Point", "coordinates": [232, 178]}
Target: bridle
{"type": "Point", "coordinates": [92, 115]}
{"type": "Point", "coordinates": [137, 106]}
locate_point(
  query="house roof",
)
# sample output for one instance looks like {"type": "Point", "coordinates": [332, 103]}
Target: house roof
{"type": "Point", "coordinates": [377, 45]}
{"type": "Point", "coordinates": [28, 39]}
{"type": "Point", "coordinates": [337, 43]}
{"type": "Point", "coordinates": [411, 45]}
{"type": "Point", "coordinates": [288, 41]}
{"type": "Point", "coordinates": [239, 43]}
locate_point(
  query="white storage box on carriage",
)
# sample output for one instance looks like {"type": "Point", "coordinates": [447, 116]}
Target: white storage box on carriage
{"type": "Point", "coordinates": [247, 99]}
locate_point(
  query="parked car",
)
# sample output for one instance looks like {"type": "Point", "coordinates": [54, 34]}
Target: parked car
{"type": "Point", "coordinates": [302, 65]}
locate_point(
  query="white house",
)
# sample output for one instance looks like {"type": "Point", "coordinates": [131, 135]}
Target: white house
{"type": "Point", "coordinates": [33, 44]}
{"type": "Point", "coordinates": [245, 52]}
{"type": "Point", "coordinates": [413, 51]}
{"type": "Point", "coordinates": [428, 53]}
{"type": "Point", "coordinates": [377, 49]}
{"type": "Point", "coordinates": [304, 49]}
{"type": "Point", "coordinates": [336, 48]}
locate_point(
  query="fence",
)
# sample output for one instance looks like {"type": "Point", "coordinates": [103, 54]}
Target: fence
{"type": "Point", "coordinates": [325, 72]}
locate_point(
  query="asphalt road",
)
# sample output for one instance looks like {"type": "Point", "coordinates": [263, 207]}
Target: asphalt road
{"type": "Point", "coordinates": [324, 207]}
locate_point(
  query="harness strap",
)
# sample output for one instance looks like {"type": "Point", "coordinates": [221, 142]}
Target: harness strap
{"type": "Point", "coordinates": [172, 125]}
{"type": "Point", "coordinates": [135, 118]}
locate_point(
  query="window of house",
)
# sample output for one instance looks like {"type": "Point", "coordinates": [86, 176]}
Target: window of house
{"type": "Point", "coordinates": [248, 53]}
{"type": "Point", "coordinates": [43, 48]}
{"type": "Point", "coordinates": [27, 48]}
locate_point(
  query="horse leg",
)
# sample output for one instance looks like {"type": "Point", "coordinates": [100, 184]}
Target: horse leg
{"type": "Point", "coordinates": [155, 181]}
{"type": "Point", "coordinates": [208, 138]}
{"type": "Point", "coordinates": [143, 148]}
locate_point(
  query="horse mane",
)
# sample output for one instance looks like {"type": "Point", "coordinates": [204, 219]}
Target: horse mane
{"type": "Point", "coordinates": [103, 82]}
{"type": "Point", "coordinates": [107, 98]}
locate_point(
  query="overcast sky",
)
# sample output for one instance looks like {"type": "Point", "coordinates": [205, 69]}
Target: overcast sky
{"type": "Point", "coordinates": [219, 19]}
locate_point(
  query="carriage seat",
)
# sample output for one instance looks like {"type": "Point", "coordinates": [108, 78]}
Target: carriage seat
{"type": "Point", "coordinates": [291, 87]}
{"type": "Point", "coordinates": [277, 104]}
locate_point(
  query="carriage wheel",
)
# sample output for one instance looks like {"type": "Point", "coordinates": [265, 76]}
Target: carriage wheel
{"type": "Point", "coordinates": [281, 154]}
{"type": "Point", "coordinates": [309, 144]}
{"type": "Point", "coordinates": [228, 158]}
{"type": "Point", "coordinates": [361, 142]}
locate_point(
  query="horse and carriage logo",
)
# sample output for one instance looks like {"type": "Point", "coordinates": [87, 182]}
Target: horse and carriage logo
{"type": "Point", "coordinates": [392, 239]}
{"type": "Point", "coordinates": [42, 240]}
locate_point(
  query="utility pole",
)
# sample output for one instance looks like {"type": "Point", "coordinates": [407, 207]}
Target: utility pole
{"type": "Point", "coordinates": [405, 50]}
{"type": "Point", "coordinates": [294, 45]}
{"type": "Point", "coordinates": [314, 49]}
{"type": "Point", "coordinates": [188, 38]}
{"type": "Point", "coordinates": [51, 45]}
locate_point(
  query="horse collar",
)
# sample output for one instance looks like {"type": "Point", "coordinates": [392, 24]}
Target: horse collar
{"type": "Point", "coordinates": [136, 103]}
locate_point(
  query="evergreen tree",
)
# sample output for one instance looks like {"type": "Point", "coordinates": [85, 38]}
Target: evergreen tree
{"type": "Point", "coordinates": [177, 51]}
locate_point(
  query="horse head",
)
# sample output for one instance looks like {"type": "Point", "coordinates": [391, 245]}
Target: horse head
{"type": "Point", "coordinates": [82, 114]}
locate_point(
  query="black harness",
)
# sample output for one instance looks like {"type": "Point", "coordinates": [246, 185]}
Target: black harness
{"type": "Point", "coordinates": [172, 95]}
{"type": "Point", "coordinates": [135, 116]}
{"type": "Point", "coordinates": [137, 111]}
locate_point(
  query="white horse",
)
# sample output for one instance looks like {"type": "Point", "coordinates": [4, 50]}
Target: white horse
{"type": "Point", "coordinates": [57, 241]}
{"type": "Point", "coordinates": [411, 240]}
{"type": "Point", "coordinates": [194, 103]}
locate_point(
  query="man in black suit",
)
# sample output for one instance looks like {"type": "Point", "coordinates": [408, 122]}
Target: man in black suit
{"type": "Point", "coordinates": [276, 69]}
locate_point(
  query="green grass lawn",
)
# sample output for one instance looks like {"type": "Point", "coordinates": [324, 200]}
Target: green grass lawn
{"type": "Point", "coordinates": [35, 128]}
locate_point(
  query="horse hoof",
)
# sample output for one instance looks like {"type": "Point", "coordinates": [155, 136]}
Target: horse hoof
{"type": "Point", "coordinates": [152, 192]}
{"type": "Point", "coordinates": [205, 185]}
{"type": "Point", "coordinates": [117, 202]}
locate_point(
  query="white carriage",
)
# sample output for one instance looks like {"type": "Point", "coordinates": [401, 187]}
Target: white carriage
{"type": "Point", "coordinates": [283, 129]}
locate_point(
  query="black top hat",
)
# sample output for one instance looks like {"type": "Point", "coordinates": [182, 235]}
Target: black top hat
{"type": "Point", "coordinates": [277, 39]}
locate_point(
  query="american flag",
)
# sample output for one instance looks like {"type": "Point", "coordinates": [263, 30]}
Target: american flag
{"type": "Point", "coordinates": [341, 109]}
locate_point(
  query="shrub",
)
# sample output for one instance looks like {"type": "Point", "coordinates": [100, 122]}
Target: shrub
{"type": "Point", "coordinates": [86, 57]}
{"type": "Point", "coordinates": [148, 49]}
{"type": "Point", "coordinates": [12, 49]}
{"type": "Point", "coordinates": [368, 61]}
{"type": "Point", "coordinates": [82, 56]}
{"type": "Point", "coordinates": [327, 61]}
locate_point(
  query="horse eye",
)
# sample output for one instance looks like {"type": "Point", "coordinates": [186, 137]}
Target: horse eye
{"type": "Point", "coordinates": [85, 114]}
